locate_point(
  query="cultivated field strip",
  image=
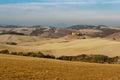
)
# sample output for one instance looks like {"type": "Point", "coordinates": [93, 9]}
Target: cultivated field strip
{"type": "Point", "coordinates": [27, 68]}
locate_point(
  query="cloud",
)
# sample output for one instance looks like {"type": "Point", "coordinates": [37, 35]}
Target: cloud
{"type": "Point", "coordinates": [54, 2]}
{"type": "Point", "coordinates": [64, 11]}
{"type": "Point", "coordinates": [58, 5]}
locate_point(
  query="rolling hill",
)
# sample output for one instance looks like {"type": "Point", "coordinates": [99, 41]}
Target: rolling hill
{"type": "Point", "coordinates": [60, 46]}
{"type": "Point", "coordinates": [115, 36]}
{"type": "Point", "coordinates": [27, 68]}
{"type": "Point", "coordinates": [55, 41]}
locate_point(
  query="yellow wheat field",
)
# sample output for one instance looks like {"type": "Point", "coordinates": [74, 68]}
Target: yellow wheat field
{"type": "Point", "coordinates": [27, 68]}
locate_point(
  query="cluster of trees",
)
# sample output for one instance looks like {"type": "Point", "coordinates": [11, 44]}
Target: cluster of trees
{"type": "Point", "coordinates": [31, 54]}
{"type": "Point", "coordinates": [83, 57]}
{"type": "Point", "coordinates": [11, 43]}
{"type": "Point", "coordinates": [12, 32]}
{"type": "Point", "coordinates": [91, 58]}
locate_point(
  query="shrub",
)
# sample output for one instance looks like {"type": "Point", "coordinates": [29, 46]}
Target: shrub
{"type": "Point", "coordinates": [24, 54]}
{"type": "Point", "coordinates": [79, 34]}
{"type": "Point", "coordinates": [20, 53]}
{"type": "Point", "coordinates": [99, 58]}
{"type": "Point", "coordinates": [82, 57]}
{"type": "Point", "coordinates": [84, 38]}
{"type": "Point", "coordinates": [114, 38]}
{"type": "Point", "coordinates": [69, 58]}
{"type": "Point", "coordinates": [11, 43]}
{"type": "Point", "coordinates": [32, 54]}
{"type": "Point", "coordinates": [49, 56]}
{"type": "Point", "coordinates": [4, 51]}
{"type": "Point", "coordinates": [40, 54]}
{"type": "Point", "coordinates": [13, 53]}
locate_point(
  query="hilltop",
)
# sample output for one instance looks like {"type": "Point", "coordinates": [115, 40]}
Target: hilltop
{"type": "Point", "coordinates": [56, 32]}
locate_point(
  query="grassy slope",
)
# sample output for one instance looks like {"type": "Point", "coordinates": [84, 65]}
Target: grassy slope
{"type": "Point", "coordinates": [27, 68]}
{"type": "Point", "coordinates": [61, 46]}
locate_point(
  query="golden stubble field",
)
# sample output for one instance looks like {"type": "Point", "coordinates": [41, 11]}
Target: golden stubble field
{"type": "Point", "coordinates": [60, 46]}
{"type": "Point", "coordinates": [28, 68]}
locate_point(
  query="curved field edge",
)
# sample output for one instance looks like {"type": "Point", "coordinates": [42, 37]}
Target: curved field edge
{"type": "Point", "coordinates": [60, 47]}
{"type": "Point", "coordinates": [27, 68]}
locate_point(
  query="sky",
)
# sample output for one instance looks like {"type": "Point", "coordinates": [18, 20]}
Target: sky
{"type": "Point", "coordinates": [60, 12]}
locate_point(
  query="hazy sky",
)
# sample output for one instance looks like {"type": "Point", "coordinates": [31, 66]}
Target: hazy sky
{"type": "Point", "coordinates": [49, 12]}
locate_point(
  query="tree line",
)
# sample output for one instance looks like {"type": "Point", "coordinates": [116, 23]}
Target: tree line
{"type": "Point", "coordinates": [83, 57]}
